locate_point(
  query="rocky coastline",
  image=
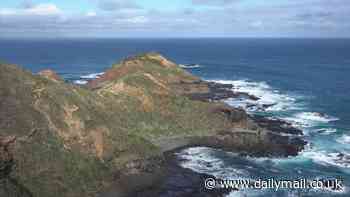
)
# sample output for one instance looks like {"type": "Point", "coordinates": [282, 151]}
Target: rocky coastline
{"type": "Point", "coordinates": [176, 181]}
{"type": "Point", "coordinates": [122, 130]}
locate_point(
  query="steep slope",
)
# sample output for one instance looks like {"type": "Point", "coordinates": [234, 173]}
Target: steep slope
{"type": "Point", "coordinates": [144, 85]}
{"type": "Point", "coordinates": [64, 142]}
{"type": "Point", "coordinates": [59, 139]}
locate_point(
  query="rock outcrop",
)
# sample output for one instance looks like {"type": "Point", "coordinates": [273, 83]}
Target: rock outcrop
{"type": "Point", "coordinates": [67, 140]}
{"type": "Point", "coordinates": [50, 74]}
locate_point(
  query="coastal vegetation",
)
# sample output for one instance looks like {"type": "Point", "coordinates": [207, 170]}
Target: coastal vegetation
{"type": "Point", "coordinates": [60, 139]}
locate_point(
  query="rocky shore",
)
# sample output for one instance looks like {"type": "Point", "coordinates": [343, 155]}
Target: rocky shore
{"type": "Point", "coordinates": [177, 181]}
{"type": "Point", "coordinates": [117, 136]}
{"type": "Point", "coordinates": [181, 182]}
{"type": "Point", "coordinates": [211, 91]}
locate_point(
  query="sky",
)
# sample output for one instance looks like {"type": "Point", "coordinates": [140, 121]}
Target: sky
{"type": "Point", "coordinates": [174, 18]}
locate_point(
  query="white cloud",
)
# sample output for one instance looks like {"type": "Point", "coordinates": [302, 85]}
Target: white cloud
{"type": "Point", "coordinates": [40, 9]}
{"type": "Point", "coordinates": [91, 14]}
{"type": "Point", "coordinates": [117, 5]}
{"type": "Point", "coordinates": [44, 9]}
{"type": "Point", "coordinates": [137, 20]}
{"type": "Point", "coordinates": [7, 12]}
{"type": "Point", "coordinates": [124, 17]}
{"type": "Point", "coordinates": [257, 24]}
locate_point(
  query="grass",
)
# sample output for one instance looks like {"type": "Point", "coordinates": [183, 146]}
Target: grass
{"type": "Point", "coordinates": [61, 160]}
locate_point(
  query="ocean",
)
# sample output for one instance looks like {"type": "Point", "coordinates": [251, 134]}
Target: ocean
{"type": "Point", "coordinates": [307, 80]}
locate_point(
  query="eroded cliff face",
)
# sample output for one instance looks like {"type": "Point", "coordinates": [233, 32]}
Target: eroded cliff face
{"type": "Point", "coordinates": [64, 142]}
{"type": "Point", "coordinates": [58, 139]}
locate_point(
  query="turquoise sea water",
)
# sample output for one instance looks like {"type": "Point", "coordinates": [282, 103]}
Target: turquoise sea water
{"type": "Point", "coordinates": [307, 79]}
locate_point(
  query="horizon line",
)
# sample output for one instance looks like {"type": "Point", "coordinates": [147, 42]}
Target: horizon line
{"type": "Point", "coordinates": [171, 37]}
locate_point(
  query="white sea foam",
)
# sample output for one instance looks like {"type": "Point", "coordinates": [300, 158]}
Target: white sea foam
{"type": "Point", "coordinates": [326, 131]}
{"type": "Point", "coordinates": [326, 158]}
{"type": "Point", "coordinates": [92, 76]}
{"type": "Point", "coordinates": [316, 117]}
{"type": "Point", "coordinates": [203, 160]}
{"type": "Point", "coordinates": [85, 78]}
{"type": "Point", "coordinates": [190, 66]}
{"type": "Point", "coordinates": [345, 139]}
{"type": "Point", "coordinates": [245, 193]}
{"type": "Point", "coordinates": [309, 119]}
{"type": "Point", "coordinates": [80, 82]}
{"type": "Point", "coordinates": [267, 95]}
{"type": "Point", "coordinates": [198, 161]}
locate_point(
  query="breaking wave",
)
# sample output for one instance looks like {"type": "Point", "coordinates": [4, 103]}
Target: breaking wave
{"type": "Point", "coordinates": [189, 66]}
{"type": "Point", "coordinates": [269, 99]}
{"type": "Point", "coordinates": [345, 139]}
{"type": "Point", "coordinates": [80, 82]}
{"type": "Point", "coordinates": [326, 131]}
{"type": "Point", "coordinates": [84, 79]}
{"type": "Point", "coordinates": [310, 119]}
{"type": "Point", "coordinates": [203, 160]}
{"type": "Point", "coordinates": [92, 76]}
{"type": "Point", "coordinates": [339, 159]}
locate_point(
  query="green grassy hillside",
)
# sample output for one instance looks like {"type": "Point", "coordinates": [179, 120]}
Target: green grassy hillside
{"type": "Point", "coordinates": [73, 141]}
